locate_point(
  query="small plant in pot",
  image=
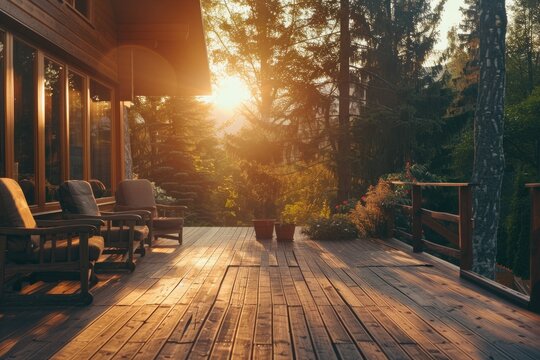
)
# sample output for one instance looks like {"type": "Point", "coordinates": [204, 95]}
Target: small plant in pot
{"type": "Point", "coordinates": [264, 221]}
{"type": "Point", "coordinates": [286, 228]}
{"type": "Point", "coordinates": [265, 192]}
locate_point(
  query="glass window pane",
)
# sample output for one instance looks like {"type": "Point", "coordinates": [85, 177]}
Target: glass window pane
{"type": "Point", "coordinates": [24, 66]}
{"type": "Point", "coordinates": [100, 138]}
{"type": "Point", "coordinates": [82, 6]}
{"type": "Point", "coordinates": [54, 74]}
{"type": "Point", "coordinates": [76, 125]}
{"type": "Point", "coordinates": [2, 106]}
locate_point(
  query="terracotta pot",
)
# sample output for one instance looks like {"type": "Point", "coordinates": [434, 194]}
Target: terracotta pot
{"type": "Point", "coordinates": [264, 228]}
{"type": "Point", "coordinates": [285, 232]}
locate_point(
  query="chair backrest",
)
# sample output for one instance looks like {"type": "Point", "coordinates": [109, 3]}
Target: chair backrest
{"type": "Point", "coordinates": [135, 194]}
{"type": "Point", "coordinates": [77, 197]}
{"type": "Point", "coordinates": [14, 210]}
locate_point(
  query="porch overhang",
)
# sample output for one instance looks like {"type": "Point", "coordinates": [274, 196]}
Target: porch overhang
{"type": "Point", "coordinates": [161, 48]}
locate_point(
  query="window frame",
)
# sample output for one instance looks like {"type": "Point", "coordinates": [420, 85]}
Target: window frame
{"type": "Point", "coordinates": [41, 206]}
{"type": "Point", "coordinates": [89, 9]}
{"type": "Point", "coordinates": [113, 134]}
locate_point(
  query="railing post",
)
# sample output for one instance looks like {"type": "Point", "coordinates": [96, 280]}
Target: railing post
{"type": "Point", "coordinates": [465, 227]}
{"type": "Point", "coordinates": [416, 222]}
{"type": "Point", "coordinates": [534, 303]}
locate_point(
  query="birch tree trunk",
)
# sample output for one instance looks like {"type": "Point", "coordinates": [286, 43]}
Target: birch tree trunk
{"type": "Point", "coordinates": [488, 135]}
{"type": "Point", "coordinates": [344, 140]}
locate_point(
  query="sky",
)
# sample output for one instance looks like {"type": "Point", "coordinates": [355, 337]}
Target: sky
{"type": "Point", "coordinates": [451, 17]}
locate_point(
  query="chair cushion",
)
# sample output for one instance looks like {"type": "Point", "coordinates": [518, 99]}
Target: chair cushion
{"type": "Point", "coordinates": [135, 194]}
{"type": "Point", "coordinates": [14, 212]}
{"type": "Point", "coordinates": [95, 248]}
{"type": "Point", "coordinates": [173, 223]}
{"type": "Point", "coordinates": [121, 235]}
{"type": "Point", "coordinates": [77, 197]}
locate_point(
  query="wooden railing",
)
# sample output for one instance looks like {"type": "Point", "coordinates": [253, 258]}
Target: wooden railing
{"type": "Point", "coordinates": [462, 238]}
{"type": "Point", "coordinates": [435, 220]}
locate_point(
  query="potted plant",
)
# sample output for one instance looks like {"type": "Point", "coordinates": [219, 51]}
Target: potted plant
{"type": "Point", "coordinates": [265, 195]}
{"type": "Point", "coordinates": [264, 221]}
{"type": "Point", "coordinates": [286, 228]}
{"type": "Point", "coordinates": [264, 228]}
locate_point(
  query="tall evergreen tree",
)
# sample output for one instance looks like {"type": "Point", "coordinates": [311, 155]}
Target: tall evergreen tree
{"type": "Point", "coordinates": [523, 54]}
{"type": "Point", "coordinates": [174, 145]}
{"type": "Point", "coordinates": [488, 135]}
{"type": "Point", "coordinates": [343, 157]}
{"type": "Point", "coordinates": [402, 100]}
{"type": "Point", "coordinates": [283, 50]}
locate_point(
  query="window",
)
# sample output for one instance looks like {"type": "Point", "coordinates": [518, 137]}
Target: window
{"type": "Point", "coordinates": [2, 105]}
{"type": "Point", "coordinates": [54, 76]}
{"type": "Point", "coordinates": [76, 125]}
{"type": "Point", "coordinates": [82, 6]}
{"type": "Point", "coordinates": [100, 138]}
{"type": "Point", "coordinates": [24, 71]}
{"type": "Point", "coordinates": [59, 121]}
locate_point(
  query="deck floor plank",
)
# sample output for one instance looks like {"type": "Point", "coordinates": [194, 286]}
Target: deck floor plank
{"type": "Point", "coordinates": [225, 295]}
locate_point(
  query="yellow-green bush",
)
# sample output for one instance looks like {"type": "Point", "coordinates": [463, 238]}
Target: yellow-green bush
{"type": "Point", "coordinates": [373, 214]}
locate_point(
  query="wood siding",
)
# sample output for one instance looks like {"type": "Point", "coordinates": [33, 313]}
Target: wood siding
{"type": "Point", "coordinates": [87, 43]}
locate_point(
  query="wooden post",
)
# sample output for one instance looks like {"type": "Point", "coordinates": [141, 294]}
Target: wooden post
{"type": "Point", "coordinates": [534, 303]}
{"type": "Point", "coordinates": [465, 227]}
{"type": "Point", "coordinates": [416, 221]}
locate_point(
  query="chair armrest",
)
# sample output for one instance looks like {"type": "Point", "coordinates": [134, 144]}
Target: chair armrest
{"type": "Point", "coordinates": [51, 223]}
{"type": "Point", "coordinates": [172, 207]}
{"type": "Point", "coordinates": [176, 209]}
{"type": "Point", "coordinates": [120, 208]}
{"type": "Point", "coordinates": [120, 217]}
{"type": "Point", "coordinates": [69, 229]}
{"type": "Point", "coordinates": [145, 214]}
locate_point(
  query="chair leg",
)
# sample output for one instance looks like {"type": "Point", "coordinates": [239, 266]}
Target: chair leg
{"type": "Point", "coordinates": [180, 236]}
{"type": "Point", "coordinates": [86, 297]}
{"type": "Point", "coordinates": [3, 242]}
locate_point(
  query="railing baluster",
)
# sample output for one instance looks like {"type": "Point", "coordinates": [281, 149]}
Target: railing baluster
{"type": "Point", "coordinates": [534, 303]}
{"type": "Point", "coordinates": [416, 222]}
{"type": "Point", "coordinates": [465, 227]}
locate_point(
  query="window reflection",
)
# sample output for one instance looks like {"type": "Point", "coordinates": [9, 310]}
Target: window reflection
{"type": "Point", "coordinates": [100, 138]}
{"type": "Point", "coordinates": [24, 69]}
{"type": "Point", "coordinates": [53, 120]}
{"type": "Point", "coordinates": [76, 125]}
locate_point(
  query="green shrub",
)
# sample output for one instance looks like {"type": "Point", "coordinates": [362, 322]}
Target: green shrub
{"type": "Point", "coordinates": [337, 227]}
{"type": "Point", "coordinates": [374, 215]}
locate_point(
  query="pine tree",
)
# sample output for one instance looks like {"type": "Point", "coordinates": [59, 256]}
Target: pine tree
{"type": "Point", "coordinates": [403, 101]}
{"type": "Point", "coordinates": [523, 55]}
{"type": "Point", "coordinates": [174, 145]}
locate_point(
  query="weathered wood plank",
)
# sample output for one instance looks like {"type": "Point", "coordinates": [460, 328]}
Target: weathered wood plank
{"type": "Point", "coordinates": [341, 299]}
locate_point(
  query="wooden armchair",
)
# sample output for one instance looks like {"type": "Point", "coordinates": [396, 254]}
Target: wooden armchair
{"type": "Point", "coordinates": [124, 233]}
{"type": "Point", "coordinates": [139, 195]}
{"type": "Point", "coordinates": [55, 248]}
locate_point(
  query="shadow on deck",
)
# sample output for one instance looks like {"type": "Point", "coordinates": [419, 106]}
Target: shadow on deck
{"type": "Point", "coordinates": [223, 294]}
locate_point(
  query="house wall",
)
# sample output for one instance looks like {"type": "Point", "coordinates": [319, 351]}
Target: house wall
{"type": "Point", "coordinates": [89, 43]}
{"type": "Point", "coordinates": [84, 45]}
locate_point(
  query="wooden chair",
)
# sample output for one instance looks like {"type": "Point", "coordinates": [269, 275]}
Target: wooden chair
{"type": "Point", "coordinates": [139, 195]}
{"type": "Point", "coordinates": [124, 233]}
{"type": "Point", "coordinates": [48, 248]}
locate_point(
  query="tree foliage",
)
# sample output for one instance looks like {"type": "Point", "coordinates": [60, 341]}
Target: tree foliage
{"type": "Point", "coordinates": [174, 145]}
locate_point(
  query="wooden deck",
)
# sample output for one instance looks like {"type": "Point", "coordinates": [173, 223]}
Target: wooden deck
{"type": "Point", "coordinates": [223, 294]}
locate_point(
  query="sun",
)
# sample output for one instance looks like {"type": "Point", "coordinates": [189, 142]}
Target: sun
{"type": "Point", "coordinates": [230, 92]}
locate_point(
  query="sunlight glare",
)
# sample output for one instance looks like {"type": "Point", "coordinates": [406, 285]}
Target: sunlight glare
{"type": "Point", "coordinates": [230, 93]}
